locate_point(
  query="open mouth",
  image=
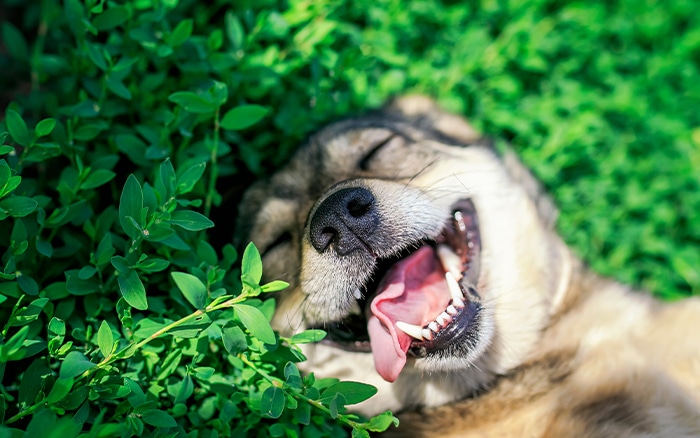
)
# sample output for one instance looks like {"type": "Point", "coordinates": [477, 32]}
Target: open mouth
{"type": "Point", "coordinates": [421, 301]}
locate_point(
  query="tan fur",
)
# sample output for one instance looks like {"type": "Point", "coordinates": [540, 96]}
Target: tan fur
{"type": "Point", "coordinates": [560, 351]}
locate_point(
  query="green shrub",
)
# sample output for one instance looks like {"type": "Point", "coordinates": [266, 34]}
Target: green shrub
{"type": "Point", "coordinates": [129, 126]}
{"type": "Point", "coordinates": [119, 317]}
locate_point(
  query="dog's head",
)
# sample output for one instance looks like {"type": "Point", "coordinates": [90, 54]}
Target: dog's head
{"type": "Point", "coordinates": [427, 257]}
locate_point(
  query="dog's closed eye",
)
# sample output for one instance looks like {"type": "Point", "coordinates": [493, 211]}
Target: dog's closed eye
{"type": "Point", "coordinates": [281, 240]}
{"type": "Point", "coordinates": [365, 161]}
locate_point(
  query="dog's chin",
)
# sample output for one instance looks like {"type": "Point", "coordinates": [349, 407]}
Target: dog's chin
{"type": "Point", "coordinates": [421, 305]}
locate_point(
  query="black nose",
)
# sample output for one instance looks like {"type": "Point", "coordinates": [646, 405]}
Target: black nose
{"type": "Point", "coordinates": [345, 219]}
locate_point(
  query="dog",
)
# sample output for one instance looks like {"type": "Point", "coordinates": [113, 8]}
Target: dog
{"type": "Point", "coordinates": [432, 261]}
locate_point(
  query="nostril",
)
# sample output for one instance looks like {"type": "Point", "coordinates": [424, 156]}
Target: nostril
{"type": "Point", "coordinates": [358, 208]}
{"type": "Point", "coordinates": [328, 233]}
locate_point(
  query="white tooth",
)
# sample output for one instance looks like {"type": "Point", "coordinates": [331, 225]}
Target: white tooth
{"type": "Point", "coordinates": [451, 262]}
{"type": "Point", "coordinates": [434, 327]}
{"type": "Point", "coordinates": [458, 303]}
{"type": "Point", "coordinates": [451, 310]}
{"type": "Point", "coordinates": [411, 330]}
{"type": "Point", "coordinates": [355, 308]}
{"type": "Point", "coordinates": [443, 319]}
{"type": "Point", "coordinates": [427, 334]}
{"type": "Point", "coordinates": [455, 290]}
{"type": "Point", "coordinates": [357, 294]}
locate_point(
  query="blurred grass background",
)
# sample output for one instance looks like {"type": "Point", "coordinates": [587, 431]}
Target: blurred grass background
{"type": "Point", "coordinates": [600, 98]}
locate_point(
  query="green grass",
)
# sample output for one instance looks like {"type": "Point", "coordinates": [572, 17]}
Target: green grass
{"type": "Point", "coordinates": [193, 99]}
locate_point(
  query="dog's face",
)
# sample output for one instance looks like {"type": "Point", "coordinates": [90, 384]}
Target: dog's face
{"type": "Point", "coordinates": [427, 257]}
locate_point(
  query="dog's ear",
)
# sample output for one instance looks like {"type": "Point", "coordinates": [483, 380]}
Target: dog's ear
{"type": "Point", "coordinates": [427, 114]}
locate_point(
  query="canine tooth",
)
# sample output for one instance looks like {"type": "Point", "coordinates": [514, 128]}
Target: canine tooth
{"type": "Point", "coordinates": [451, 262]}
{"type": "Point", "coordinates": [427, 334]}
{"type": "Point", "coordinates": [434, 327]}
{"type": "Point", "coordinates": [411, 330]}
{"type": "Point", "coordinates": [357, 294]}
{"type": "Point", "coordinates": [458, 303]}
{"type": "Point", "coordinates": [451, 310]}
{"type": "Point", "coordinates": [455, 290]}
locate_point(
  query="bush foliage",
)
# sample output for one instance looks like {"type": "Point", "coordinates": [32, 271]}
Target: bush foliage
{"type": "Point", "coordinates": [128, 126]}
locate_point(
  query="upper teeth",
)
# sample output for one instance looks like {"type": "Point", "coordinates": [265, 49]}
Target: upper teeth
{"type": "Point", "coordinates": [451, 263]}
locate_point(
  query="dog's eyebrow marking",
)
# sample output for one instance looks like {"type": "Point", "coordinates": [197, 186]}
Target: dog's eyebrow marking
{"type": "Point", "coordinates": [363, 164]}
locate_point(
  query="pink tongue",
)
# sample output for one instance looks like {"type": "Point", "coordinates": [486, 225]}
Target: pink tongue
{"type": "Point", "coordinates": [413, 291]}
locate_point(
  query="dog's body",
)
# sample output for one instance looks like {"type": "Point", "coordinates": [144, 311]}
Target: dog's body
{"type": "Point", "coordinates": [404, 223]}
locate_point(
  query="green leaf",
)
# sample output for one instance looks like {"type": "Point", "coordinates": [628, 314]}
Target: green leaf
{"type": "Point", "coordinates": [130, 205]}
{"type": "Point", "coordinates": [190, 220]}
{"type": "Point", "coordinates": [187, 180]}
{"type": "Point", "coordinates": [185, 391]}
{"type": "Point", "coordinates": [234, 340]}
{"type": "Point", "coordinates": [152, 265]}
{"type": "Point", "coordinates": [111, 18]}
{"type": "Point", "coordinates": [28, 284]}
{"type": "Point", "coordinates": [41, 152]}
{"type": "Point", "coordinates": [169, 364]}
{"type": "Point", "coordinates": [30, 313]}
{"type": "Point", "coordinates": [192, 288]}
{"type": "Point", "coordinates": [14, 41]}
{"type": "Point", "coordinates": [158, 418]}
{"type": "Point", "coordinates": [181, 32]}
{"type": "Point", "coordinates": [381, 422]}
{"type": "Point", "coordinates": [256, 323]}
{"type": "Point", "coordinates": [44, 248]}
{"type": "Point", "coordinates": [132, 290]}
{"type": "Point", "coordinates": [116, 86]}
{"type": "Point", "coordinates": [86, 272]}
{"type": "Point", "coordinates": [354, 392]}
{"type": "Point", "coordinates": [274, 286]}
{"type": "Point", "coordinates": [121, 264]}
{"type": "Point", "coordinates": [234, 30]}
{"type": "Point", "coordinates": [44, 127]}
{"type": "Point", "coordinates": [243, 116]}
{"type": "Point", "coordinates": [165, 183]}
{"type": "Point", "coordinates": [96, 55]}
{"type": "Point", "coordinates": [105, 339]}
{"type": "Point", "coordinates": [192, 102]}
{"type": "Point", "coordinates": [359, 433]}
{"type": "Point", "coordinates": [17, 128]}
{"type": "Point", "coordinates": [292, 376]}
{"type": "Point", "coordinates": [309, 336]}
{"type": "Point", "coordinates": [336, 405]}
{"type": "Point", "coordinates": [302, 413]}
{"type": "Point", "coordinates": [74, 365]}
{"type": "Point", "coordinates": [272, 402]}
{"type": "Point", "coordinates": [18, 206]}
{"type": "Point", "coordinates": [60, 389]}
{"type": "Point", "coordinates": [203, 373]}
{"type": "Point", "coordinates": [251, 266]}
{"type": "Point", "coordinates": [14, 344]}
{"type": "Point", "coordinates": [97, 178]}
